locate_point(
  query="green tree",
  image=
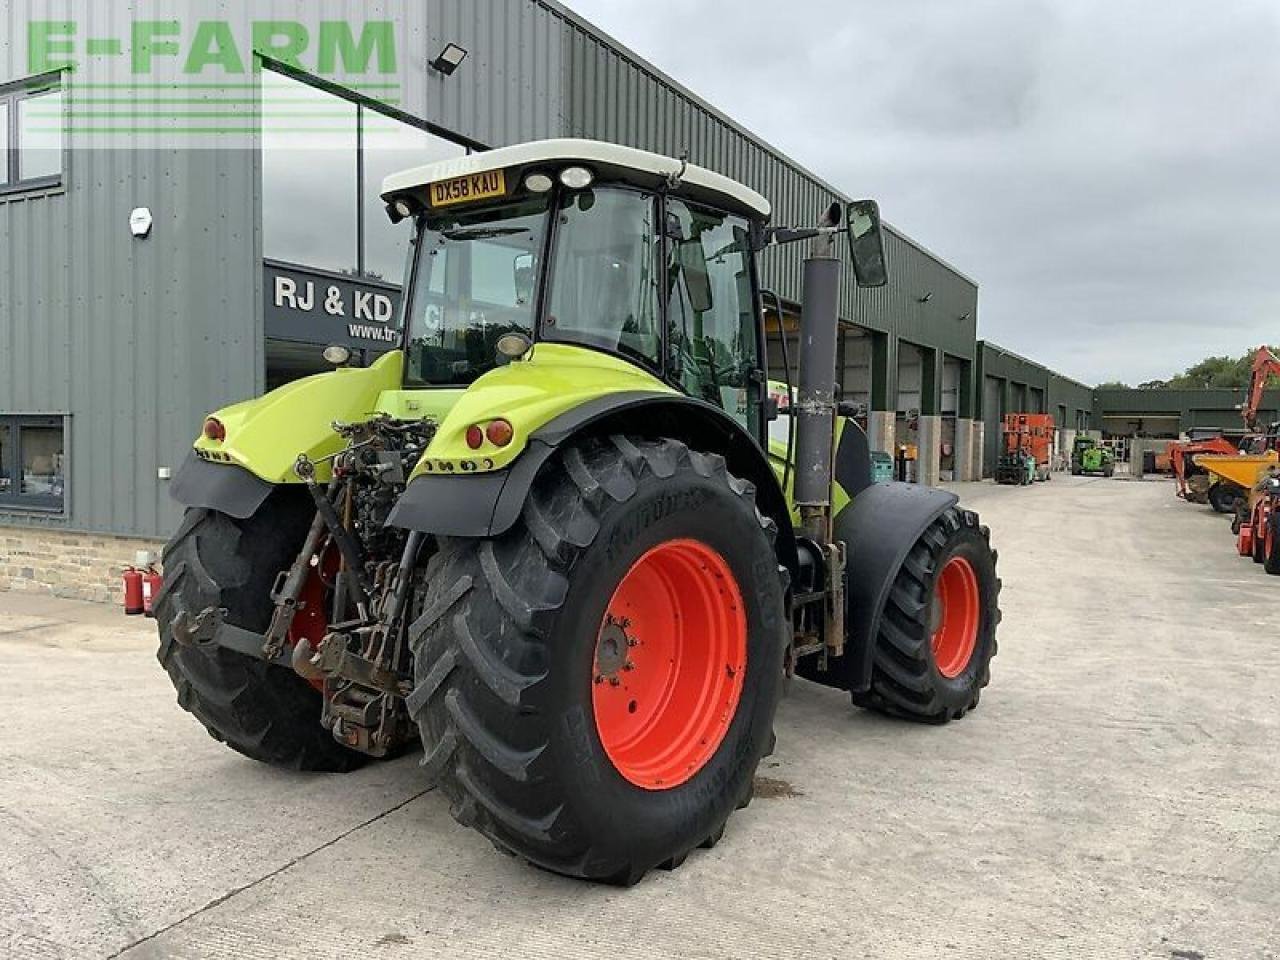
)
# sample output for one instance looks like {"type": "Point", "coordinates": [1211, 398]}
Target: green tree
{"type": "Point", "coordinates": [1113, 385]}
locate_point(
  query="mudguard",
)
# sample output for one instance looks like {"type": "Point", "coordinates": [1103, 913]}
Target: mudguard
{"type": "Point", "coordinates": [879, 528]}
{"type": "Point", "coordinates": [225, 487]}
{"type": "Point", "coordinates": [486, 505]}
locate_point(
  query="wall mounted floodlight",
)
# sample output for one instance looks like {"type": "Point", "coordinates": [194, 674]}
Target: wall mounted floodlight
{"type": "Point", "coordinates": [449, 59]}
{"type": "Point", "coordinates": [140, 221]}
{"type": "Point", "coordinates": [964, 317]}
{"type": "Point", "coordinates": [926, 298]}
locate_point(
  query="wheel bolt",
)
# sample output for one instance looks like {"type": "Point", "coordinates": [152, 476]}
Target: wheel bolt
{"type": "Point", "coordinates": [628, 665]}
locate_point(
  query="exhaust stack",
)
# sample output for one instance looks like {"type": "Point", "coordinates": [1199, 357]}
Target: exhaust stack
{"type": "Point", "coordinates": [815, 407]}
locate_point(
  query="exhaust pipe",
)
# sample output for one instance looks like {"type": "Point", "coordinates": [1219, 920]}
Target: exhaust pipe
{"type": "Point", "coordinates": [815, 407]}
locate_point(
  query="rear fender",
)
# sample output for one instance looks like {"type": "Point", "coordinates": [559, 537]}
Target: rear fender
{"type": "Point", "coordinates": [486, 505]}
{"type": "Point", "coordinates": [879, 528]}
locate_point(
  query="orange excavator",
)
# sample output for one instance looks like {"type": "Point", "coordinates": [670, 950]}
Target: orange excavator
{"type": "Point", "coordinates": [1195, 483]}
{"type": "Point", "coordinates": [1265, 366]}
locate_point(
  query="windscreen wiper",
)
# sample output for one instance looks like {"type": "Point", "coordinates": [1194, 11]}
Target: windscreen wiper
{"type": "Point", "coordinates": [482, 233]}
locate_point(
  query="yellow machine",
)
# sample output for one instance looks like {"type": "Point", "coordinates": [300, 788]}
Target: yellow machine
{"type": "Point", "coordinates": [1237, 475]}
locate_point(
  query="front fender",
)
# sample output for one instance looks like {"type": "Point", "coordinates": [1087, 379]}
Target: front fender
{"type": "Point", "coordinates": [879, 528]}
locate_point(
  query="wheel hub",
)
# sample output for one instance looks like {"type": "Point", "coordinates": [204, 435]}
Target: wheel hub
{"type": "Point", "coordinates": [612, 647]}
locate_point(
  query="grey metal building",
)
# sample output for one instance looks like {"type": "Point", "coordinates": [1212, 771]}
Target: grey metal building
{"type": "Point", "coordinates": [1171, 413]}
{"type": "Point", "coordinates": [113, 345]}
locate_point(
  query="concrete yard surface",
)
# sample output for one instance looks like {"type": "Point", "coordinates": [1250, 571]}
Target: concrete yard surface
{"type": "Point", "coordinates": [1116, 794]}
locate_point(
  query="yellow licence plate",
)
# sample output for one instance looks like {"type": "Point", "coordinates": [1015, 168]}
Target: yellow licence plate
{"type": "Point", "coordinates": [474, 186]}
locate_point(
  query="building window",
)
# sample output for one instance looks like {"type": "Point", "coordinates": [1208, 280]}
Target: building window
{"type": "Point", "coordinates": [32, 462]}
{"type": "Point", "coordinates": [32, 148]}
{"type": "Point", "coordinates": [325, 153]}
{"type": "Point", "coordinates": [324, 157]}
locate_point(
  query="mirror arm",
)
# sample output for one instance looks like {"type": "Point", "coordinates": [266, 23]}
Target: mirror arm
{"type": "Point", "coordinates": [776, 236]}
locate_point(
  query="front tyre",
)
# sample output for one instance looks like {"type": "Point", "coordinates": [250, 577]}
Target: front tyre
{"type": "Point", "coordinates": [596, 687]}
{"type": "Point", "coordinates": [938, 634]}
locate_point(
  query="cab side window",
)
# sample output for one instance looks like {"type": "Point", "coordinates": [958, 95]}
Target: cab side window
{"type": "Point", "coordinates": [710, 314]}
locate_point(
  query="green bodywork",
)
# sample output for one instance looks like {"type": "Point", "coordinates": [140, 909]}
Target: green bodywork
{"type": "Point", "coordinates": [266, 435]}
{"type": "Point", "coordinates": [1089, 456]}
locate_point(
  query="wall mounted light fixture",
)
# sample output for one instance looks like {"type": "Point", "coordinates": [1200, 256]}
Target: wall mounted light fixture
{"type": "Point", "coordinates": [449, 59]}
{"type": "Point", "coordinates": [926, 298]}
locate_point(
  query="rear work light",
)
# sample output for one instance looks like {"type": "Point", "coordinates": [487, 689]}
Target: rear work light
{"type": "Point", "coordinates": [214, 430]}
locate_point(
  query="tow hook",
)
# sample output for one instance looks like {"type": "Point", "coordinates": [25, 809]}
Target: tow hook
{"type": "Point", "coordinates": [198, 631]}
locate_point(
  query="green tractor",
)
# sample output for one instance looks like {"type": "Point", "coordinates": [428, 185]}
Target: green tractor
{"type": "Point", "coordinates": [550, 538]}
{"type": "Point", "coordinates": [1091, 458]}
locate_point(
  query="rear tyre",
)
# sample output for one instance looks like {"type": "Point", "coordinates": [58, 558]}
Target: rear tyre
{"type": "Point", "coordinates": [258, 709]}
{"type": "Point", "coordinates": [938, 633]}
{"type": "Point", "coordinates": [595, 687]}
{"type": "Point", "coordinates": [1258, 550]}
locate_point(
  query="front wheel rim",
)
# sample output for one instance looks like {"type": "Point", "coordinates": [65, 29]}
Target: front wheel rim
{"type": "Point", "coordinates": [669, 665]}
{"type": "Point", "coordinates": [959, 613]}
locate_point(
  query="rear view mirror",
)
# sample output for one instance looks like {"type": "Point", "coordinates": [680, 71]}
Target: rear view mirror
{"type": "Point", "coordinates": [693, 268]}
{"type": "Point", "coordinates": [866, 243]}
{"type": "Point", "coordinates": [522, 275]}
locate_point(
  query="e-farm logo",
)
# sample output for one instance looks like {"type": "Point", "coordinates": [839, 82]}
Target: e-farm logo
{"type": "Point", "coordinates": [205, 76]}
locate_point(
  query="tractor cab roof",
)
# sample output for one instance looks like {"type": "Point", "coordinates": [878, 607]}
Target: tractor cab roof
{"type": "Point", "coordinates": [607, 161]}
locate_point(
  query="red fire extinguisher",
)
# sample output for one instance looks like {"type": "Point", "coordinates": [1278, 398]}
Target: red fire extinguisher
{"type": "Point", "coordinates": [133, 591]}
{"type": "Point", "coordinates": [151, 582]}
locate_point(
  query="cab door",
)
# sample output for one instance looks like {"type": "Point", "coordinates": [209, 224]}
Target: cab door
{"type": "Point", "coordinates": [713, 345]}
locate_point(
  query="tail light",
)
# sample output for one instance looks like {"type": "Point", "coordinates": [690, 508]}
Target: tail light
{"type": "Point", "coordinates": [499, 432]}
{"type": "Point", "coordinates": [214, 430]}
{"type": "Point", "coordinates": [475, 436]}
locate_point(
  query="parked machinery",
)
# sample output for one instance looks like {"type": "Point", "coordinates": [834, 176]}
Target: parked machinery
{"type": "Point", "coordinates": [550, 536]}
{"type": "Point", "coordinates": [1194, 483]}
{"type": "Point", "coordinates": [1028, 449]}
{"type": "Point", "coordinates": [1089, 457]}
{"type": "Point", "coordinates": [1228, 485]}
{"type": "Point", "coordinates": [1258, 527]}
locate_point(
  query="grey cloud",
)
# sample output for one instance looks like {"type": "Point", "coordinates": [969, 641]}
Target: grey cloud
{"type": "Point", "coordinates": [1105, 171]}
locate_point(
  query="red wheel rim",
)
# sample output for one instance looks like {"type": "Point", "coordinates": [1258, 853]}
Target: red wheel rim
{"type": "Point", "coordinates": [957, 612]}
{"type": "Point", "coordinates": [669, 664]}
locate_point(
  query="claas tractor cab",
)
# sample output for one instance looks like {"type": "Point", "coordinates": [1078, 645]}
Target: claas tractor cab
{"type": "Point", "coordinates": [550, 538]}
{"type": "Point", "coordinates": [1091, 458]}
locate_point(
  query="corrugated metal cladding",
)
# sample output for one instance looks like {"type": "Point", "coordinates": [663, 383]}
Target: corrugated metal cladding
{"type": "Point", "coordinates": [135, 342]}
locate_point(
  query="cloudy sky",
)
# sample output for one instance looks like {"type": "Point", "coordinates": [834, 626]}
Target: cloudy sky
{"type": "Point", "coordinates": [1108, 172]}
